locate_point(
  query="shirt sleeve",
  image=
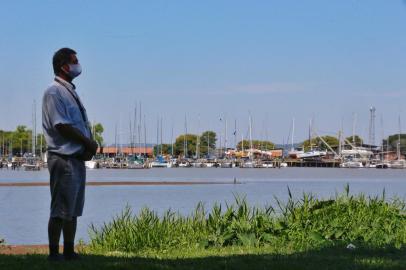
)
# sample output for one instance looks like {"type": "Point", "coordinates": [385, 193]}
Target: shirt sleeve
{"type": "Point", "coordinates": [57, 111]}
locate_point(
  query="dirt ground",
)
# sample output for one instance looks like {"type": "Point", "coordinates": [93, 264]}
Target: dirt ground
{"type": "Point", "coordinates": [23, 249]}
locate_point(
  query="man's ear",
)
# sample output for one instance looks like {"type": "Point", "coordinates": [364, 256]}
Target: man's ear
{"type": "Point", "coordinates": [65, 68]}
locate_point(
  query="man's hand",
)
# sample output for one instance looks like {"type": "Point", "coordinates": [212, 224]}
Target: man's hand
{"type": "Point", "coordinates": [86, 156]}
{"type": "Point", "coordinates": [91, 147]}
{"type": "Point", "coordinates": [74, 134]}
{"type": "Point", "coordinates": [90, 150]}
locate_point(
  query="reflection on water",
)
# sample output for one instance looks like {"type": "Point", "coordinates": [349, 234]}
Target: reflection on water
{"type": "Point", "coordinates": [24, 210]}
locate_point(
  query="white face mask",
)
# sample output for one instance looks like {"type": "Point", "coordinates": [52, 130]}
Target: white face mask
{"type": "Point", "coordinates": [74, 70]}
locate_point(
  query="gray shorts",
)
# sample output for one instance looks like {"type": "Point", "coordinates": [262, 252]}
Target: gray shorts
{"type": "Point", "coordinates": [67, 182]}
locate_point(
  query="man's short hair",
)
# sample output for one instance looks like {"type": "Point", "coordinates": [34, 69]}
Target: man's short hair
{"type": "Point", "coordinates": [61, 57]}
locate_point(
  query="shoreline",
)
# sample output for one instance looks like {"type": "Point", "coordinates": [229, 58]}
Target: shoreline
{"type": "Point", "coordinates": [122, 183]}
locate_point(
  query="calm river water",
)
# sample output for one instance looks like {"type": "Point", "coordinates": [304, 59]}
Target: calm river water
{"type": "Point", "coordinates": [24, 210]}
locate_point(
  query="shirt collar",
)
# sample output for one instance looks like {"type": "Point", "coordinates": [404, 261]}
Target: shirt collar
{"type": "Point", "coordinates": [67, 84]}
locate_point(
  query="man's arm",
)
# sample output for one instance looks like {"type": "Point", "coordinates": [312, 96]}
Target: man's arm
{"type": "Point", "coordinates": [71, 133]}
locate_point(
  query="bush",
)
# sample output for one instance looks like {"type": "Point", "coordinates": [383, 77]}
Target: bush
{"type": "Point", "coordinates": [302, 223]}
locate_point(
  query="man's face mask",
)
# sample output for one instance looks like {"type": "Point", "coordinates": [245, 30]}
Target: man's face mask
{"type": "Point", "coordinates": [74, 70]}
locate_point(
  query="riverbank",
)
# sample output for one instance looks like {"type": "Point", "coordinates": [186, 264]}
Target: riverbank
{"type": "Point", "coordinates": [345, 232]}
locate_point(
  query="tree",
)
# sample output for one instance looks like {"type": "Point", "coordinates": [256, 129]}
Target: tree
{"type": "Point", "coordinates": [318, 143]}
{"type": "Point", "coordinates": [393, 141]}
{"type": "Point", "coordinates": [166, 149]}
{"type": "Point", "coordinates": [179, 145]}
{"type": "Point", "coordinates": [98, 131]}
{"type": "Point", "coordinates": [21, 140]}
{"type": "Point", "coordinates": [256, 144]}
{"type": "Point", "coordinates": [357, 140]}
{"type": "Point", "coordinates": [208, 141]}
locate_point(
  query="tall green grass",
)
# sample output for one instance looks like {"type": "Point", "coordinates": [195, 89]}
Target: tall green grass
{"type": "Point", "coordinates": [306, 222]}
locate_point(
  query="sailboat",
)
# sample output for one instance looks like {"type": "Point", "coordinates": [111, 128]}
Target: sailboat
{"type": "Point", "coordinates": [313, 153]}
{"type": "Point", "coordinates": [250, 162]}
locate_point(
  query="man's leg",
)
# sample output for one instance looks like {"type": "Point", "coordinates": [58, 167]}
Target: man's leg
{"type": "Point", "coordinates": [69, 232]}
{"type": "Point", "coordinates": [55, 226]}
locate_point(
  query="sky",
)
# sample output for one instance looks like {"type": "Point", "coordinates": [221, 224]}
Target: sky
{"type": "Point", "coordinates": [213, 62]}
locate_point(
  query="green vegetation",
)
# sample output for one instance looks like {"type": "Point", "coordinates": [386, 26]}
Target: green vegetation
{"type": "Point", "coordinates": [256, 144]}
{"type": "Point", "coordinates": [19, 141]}
{"type": "Point", "coordinates": [238, 258]}
{"type": "Point", "coordinates": [356, 140]}
{"type": "Point", "coordinates": [318, 143]}
{"type": "Point", "coordinates": [304, 224]}
{"type": "Point", "coordinates": [393, 140]}
{"type": "Point", "coordinates": [305, 233]}
{"type": "Point", "coordinates": [98, 130]}
{"type": "Point", "coordinates": [207, 143]}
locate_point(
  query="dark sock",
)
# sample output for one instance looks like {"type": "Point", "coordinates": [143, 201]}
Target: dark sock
{"type": "Point", "coordinates": [54, 233]}
{"type": "Point", "coordinates": [69, 232]}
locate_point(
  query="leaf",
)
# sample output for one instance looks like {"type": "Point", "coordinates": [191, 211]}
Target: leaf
{"type": "Point", "coordinates": [247, 239]}
{"type": "Point", "coordinates": [316, 237]}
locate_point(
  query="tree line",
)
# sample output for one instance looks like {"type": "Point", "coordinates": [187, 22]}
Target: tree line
{"type": "Point", "coordinates": [20, 142]}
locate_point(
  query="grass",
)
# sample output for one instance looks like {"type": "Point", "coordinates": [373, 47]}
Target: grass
{"type": "Point", "coordinates": [303, 233]}
{"type": "Point", "coordinates": [225, 258]}
{"type": "Point", "coordinates": [298, 225]}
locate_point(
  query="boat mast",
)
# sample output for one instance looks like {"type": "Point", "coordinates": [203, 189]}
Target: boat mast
{"type": "Point", "coordinates": [310, 135]}
{"type": "Point", "coordinates": [161, 135]}
{"type": "Point", "coordinates": [293, 134]}
{"type": "Point", "coordinates": [242, 143]}
{"type": "Point", "coordinates": [208, 144]}
{"type": "Point", "coordinates": [34, 128]}
{"type": "Point", "coordinates": [184, 140]}
{"type": "Point", "coordinates": [225, 134]}
{"type": "Point", "coordinates": [131, 136]}
{"type": "Point", "coordinates": [250, 126]}
{"type": "Point", "coordinates": [354, 123]}
{"type": "Point", "coordinates": [172, 140]}
{"type": "Point", "coordinates": [115, 137]}
{"type": "Point", "coordinates": [398, 145]}
{"type": "Point", "coordinates": [135, 126]}
{"type": "Point", "coordinates": [157, 136]}
{"type": "Point", "coordinates": [139, 132]}
{"type": "Point", "coordinates": [235, 134]}
{"type": "Point", "coordinates": [198, 138]}
{"type": "Point", "coordinates": [383, 137]}
{"type": "Point", "coordinates": [145, 138]}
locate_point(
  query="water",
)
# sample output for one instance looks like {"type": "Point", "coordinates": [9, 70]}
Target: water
{"type": "Point", "coordinates": [24, 211]}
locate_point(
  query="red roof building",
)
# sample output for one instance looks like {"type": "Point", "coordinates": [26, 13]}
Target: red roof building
{"type": "Point", "coordinates": [111, 150]}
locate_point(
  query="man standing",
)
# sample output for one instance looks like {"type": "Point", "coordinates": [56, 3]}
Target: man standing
{"type": "Point", "coordinates": [70, 143]}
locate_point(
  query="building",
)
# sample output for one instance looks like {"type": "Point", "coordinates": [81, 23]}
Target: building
{"type": "Point", "coordinates": [126, 150]}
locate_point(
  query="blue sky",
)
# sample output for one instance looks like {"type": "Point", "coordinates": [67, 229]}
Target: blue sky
{"type": "Point", "coordinates": [325, 60]}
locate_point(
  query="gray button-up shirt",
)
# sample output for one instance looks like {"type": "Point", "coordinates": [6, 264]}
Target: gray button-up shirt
{"type": "Point", "coordinates": [60, 107]}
